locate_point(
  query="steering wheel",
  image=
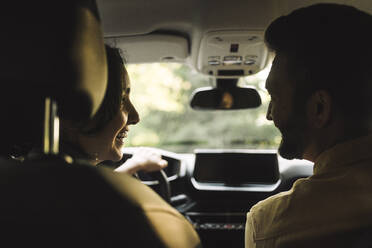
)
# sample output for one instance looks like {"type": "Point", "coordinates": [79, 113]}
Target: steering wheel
{"type": "Point", "coordinates": [162, 187]}
{"type": "Point", "coordinates": [163, 184]}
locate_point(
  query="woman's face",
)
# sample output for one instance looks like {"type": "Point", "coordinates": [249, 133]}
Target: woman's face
{"type": "Point", "coordinates": [107, 144]}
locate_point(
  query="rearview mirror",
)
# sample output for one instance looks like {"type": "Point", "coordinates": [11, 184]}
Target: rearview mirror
{"type": "Point", "coordinates": [225, 98]}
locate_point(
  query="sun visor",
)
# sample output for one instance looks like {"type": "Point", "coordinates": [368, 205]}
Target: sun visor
{"type": "Point", "coordinates": [152, 48]}
{"type": "Point", "coordinates": [231, 54]}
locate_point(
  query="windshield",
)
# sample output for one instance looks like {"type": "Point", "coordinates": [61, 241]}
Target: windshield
{"type": "Point", "coordinates": [161, 94]}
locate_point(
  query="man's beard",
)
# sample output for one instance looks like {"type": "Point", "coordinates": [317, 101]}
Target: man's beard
{"type": "Point", "coordinates": [292, 145]}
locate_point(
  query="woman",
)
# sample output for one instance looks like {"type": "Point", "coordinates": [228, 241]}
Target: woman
{"type": "Point", "coordinates": [102, 138]}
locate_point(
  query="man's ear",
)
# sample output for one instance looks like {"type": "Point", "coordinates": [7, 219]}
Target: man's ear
{"type": "Point", "coordinates": [319, 109]}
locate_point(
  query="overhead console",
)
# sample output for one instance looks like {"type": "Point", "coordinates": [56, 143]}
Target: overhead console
{"type": "Point", "coordinates": [231, 54]}
{"type": "Point", "coordinates": [242, 170]}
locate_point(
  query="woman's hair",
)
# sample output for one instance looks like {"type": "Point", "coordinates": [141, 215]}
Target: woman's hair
{"type": "Point", "coordinates": [117, 76]}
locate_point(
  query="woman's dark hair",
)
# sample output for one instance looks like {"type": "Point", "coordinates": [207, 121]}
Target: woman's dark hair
{"type": "Point", "coordinates": [328, 47]}
{"type": "Point", "coordinates": [117, 76]}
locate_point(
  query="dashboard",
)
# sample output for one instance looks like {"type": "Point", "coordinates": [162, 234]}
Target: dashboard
{"type": "Point", "coordinates": [214, 189]}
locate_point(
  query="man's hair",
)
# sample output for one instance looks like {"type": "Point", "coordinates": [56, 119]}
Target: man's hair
{"type": "Point", "coordinates": [329, 47]}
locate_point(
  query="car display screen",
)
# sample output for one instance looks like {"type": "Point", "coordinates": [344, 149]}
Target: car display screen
{"type": "Point", "coordinates": [236, 168]}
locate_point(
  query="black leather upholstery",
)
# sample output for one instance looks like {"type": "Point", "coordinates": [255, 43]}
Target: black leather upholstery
{"type": "Point", "coordinates": [49, 203]}
{"type": "Point", "coordinates": [55, 49]}
{"type": "Point", "coordinates": [49, 48]}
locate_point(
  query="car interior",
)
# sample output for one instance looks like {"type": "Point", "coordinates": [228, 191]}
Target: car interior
{"type": "Point", "coordinates": [223, 40]}
{"type": "Point", "coordinates": [212, 186]}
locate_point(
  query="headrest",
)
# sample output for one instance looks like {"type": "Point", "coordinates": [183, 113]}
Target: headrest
{"type": "Point", "coordinates": [50, 49]}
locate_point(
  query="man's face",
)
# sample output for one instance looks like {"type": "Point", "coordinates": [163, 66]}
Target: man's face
{"type": "Point", "coordinates": [287, 117]}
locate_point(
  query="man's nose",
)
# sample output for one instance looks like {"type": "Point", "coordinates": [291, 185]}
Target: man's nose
{"type": "Point", "coordinates": [268, 113]}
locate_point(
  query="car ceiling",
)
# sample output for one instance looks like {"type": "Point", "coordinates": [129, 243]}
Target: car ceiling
{"type": "Point", "coordinates": [193, 19]}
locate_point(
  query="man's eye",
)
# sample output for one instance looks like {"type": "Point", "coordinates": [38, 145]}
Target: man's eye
{"type": "Point", "coordinates": [123, 100]}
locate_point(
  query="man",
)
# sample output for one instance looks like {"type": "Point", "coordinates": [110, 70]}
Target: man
{"type": "Point", "coordinates": [320, 87]}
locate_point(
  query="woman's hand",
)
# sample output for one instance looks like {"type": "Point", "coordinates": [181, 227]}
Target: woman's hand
{"type": "Point", "coordinates": [145, 159]}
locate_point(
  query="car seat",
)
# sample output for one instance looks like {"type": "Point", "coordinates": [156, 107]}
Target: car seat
{"type": "Point", "coordinates": [53, 64]}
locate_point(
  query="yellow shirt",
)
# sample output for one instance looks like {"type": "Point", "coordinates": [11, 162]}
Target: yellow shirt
{"type": "Point", "coordinates": [173, 230]}
{"type": "Point", "coordinates": [329, 209]}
